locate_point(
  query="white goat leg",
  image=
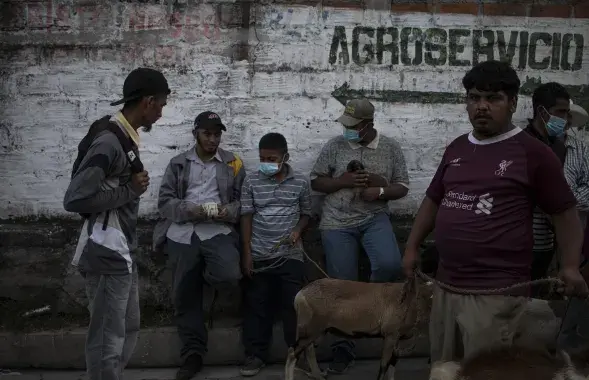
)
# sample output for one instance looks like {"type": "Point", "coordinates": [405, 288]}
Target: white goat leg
{"type": "Point", "coordinates": [316, 372]}
{"type": "Point", "coordinates": [388, 358]}
{"type": "Point", "coordinates": [289, 367]}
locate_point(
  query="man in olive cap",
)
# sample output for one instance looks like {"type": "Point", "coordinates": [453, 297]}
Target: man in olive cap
{"type": "Point", "coordinates": [360, 171]}
{"type": "Point", "coordinates": [107, 180]}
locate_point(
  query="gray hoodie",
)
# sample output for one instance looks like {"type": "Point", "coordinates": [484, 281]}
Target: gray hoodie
{"type": "Point", "coordinates": [101, 187]}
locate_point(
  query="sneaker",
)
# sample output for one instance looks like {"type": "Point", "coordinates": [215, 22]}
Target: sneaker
{"type": "Point", "coordinates": [342, 360]}
{"type": "Point", "coordinates": [192, 365]}
{"type": "Point", "coordinates": [252, 366]}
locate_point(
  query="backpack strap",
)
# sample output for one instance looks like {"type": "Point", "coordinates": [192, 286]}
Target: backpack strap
{"type": "Point", "coordinates": [128, 147]}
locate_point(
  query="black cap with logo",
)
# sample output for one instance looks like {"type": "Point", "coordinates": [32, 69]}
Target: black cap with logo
{"type": "Point", "coordinates": [207, 120]}
{"type": "Point", "coordinates": [143, 82]}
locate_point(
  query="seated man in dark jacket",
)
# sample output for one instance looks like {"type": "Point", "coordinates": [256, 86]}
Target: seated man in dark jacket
{"type": "Point", "coordinates": [199, 200]}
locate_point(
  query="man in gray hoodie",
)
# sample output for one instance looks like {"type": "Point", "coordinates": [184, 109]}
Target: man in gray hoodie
{"type": "Point", "coordinates": [107, 181]}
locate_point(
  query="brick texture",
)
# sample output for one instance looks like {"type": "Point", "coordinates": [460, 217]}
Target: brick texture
{"type": "Point", "coordinates": [559, 11]}
{"type": "Point", "coordinates": [505, 9]}
{"type": "Point", "coordinates": [268, 65]}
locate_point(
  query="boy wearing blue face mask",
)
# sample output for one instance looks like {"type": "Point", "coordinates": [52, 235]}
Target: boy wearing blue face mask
{"type": "Point", "coordinates": [275, 209]}
{"type": "Point", "coordinates": [551, 103]}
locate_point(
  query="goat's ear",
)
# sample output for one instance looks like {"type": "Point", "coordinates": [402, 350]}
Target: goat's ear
{"type": "Point", "coordinates": [408, 289]}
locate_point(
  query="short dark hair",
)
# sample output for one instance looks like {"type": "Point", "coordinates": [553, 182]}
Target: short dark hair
{"type": "Point", "coordinates": [492, 76]}
{"type": "Point", "coordinates": [275, 141]}
{"type": "Point", "coordinates": [547, 94]}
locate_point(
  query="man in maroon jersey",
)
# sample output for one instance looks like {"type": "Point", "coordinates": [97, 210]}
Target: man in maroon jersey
{"type": "Point", "coordinates": [481, 201]}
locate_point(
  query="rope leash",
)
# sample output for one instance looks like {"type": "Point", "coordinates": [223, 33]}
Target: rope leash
{"type": "Point", "coordinates": [496, 291]}
{"type": "Point", "coordinates": [282, 259]}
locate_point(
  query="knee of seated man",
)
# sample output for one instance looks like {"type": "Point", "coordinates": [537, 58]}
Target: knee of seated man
{"type": "Point", "coordinates": [228, 275]}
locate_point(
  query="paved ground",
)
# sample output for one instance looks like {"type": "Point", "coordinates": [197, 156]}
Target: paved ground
{"type": "Point", "coordinates": [407, 369]}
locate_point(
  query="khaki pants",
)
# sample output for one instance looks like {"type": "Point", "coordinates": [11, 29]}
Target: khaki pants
{"type": "Point", "coordinates": [462, 325]}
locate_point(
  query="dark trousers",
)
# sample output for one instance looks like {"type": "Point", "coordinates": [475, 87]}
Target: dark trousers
{"type": "Point", "coordinates": [214, 261]}
{"type": "Point", "coordinates": [268, 293]}
{"type": "Point", "coordinates": [540, 264]}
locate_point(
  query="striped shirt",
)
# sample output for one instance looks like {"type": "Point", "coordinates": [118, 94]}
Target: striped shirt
{"type": "Point", "coordinates": [276, 208]}
{"type": "Point", "coordinates": [542, 224]}
{"type": "Point", "coordinates": [576, 171]}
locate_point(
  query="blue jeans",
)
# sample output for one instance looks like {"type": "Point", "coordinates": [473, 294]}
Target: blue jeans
{"type": "Point", "coordinates": [341, 255]}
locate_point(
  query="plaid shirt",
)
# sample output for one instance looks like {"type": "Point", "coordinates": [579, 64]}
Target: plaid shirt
{"type": "Point", "coordinates": [576, 171]}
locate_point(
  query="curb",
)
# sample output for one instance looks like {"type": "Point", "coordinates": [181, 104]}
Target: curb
{"type": "Point", "coordinates": [159, 348]}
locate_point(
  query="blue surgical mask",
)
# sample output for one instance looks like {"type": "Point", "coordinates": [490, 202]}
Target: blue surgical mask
{"type": "Point", "coordinates": [555, 126]}
{"type": "Point", "coordinates": [269, 168]}
{"type": "Point", "coordinates": [352, 135]}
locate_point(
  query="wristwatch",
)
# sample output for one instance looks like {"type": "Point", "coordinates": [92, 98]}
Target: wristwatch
{"type": "Point", "coordinates": [381, 193]}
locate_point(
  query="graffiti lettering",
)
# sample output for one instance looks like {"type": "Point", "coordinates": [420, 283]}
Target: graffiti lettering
{"type": "Point", "coordinates": [538, 50]}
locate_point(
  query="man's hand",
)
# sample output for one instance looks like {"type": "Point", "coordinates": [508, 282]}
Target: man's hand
{"type": "Point", "coordinates": [139, 182]}
{"type": "Point", "coordinates": [246, 264]}
{"type": "Point", "coordinates": [370, 194]}
{"type": "Point", "coordinates": [294, 237]}
{"type": "Point", "coordinates": [354, 179]}
{"type": "Point", "coordinates": [575, 285]}
{"type": "Point", "coordinates": [410, 260]}
{"type": "Point", "coordinates": [221, 214]}
{"type": "Point", "coordinates": [375, 180]}
{"type": "Point", "coordinates": [197, 212]}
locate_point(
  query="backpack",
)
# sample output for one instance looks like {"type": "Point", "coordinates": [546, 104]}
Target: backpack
{"type": "Point", "coordinates": [104, 124]}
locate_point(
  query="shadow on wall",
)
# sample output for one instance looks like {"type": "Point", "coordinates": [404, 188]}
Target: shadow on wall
{"type": "Point", "coordinates": [37, 280]}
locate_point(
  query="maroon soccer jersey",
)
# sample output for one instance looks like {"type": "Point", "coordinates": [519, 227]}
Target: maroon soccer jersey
{"type": "Point", "coordinates": [486, 191]}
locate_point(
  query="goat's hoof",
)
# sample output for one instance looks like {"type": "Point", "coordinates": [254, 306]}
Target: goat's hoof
{"type": "Point", "coordinates": [322, 375]}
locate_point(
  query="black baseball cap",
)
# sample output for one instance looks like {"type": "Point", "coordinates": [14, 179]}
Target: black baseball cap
{"type": "Point", "coordinates": [143, 82]}
{"type": "Point", "coordinates": [208, 119]}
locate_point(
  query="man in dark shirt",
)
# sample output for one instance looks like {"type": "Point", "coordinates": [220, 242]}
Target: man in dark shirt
{"type": "Point", "coordinates": [481, 200]}
{"type": "Point", "coordinates": [550, 102]}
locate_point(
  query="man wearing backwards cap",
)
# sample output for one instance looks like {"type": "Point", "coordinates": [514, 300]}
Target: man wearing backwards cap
{"type": "Point", "coordinates": [201, 242]}
{"type": "Point", "coordinates": [575, 326]}
{"type": "Point", "coordinates": [105, 188]}
{"type": "Point", "coordinates": [359, 171]}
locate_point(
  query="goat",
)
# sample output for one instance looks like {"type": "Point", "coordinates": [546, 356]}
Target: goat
{"type": "Point", "coordinates": [356, 310]}
{"type": "Point", "coordinates": [511, 363]}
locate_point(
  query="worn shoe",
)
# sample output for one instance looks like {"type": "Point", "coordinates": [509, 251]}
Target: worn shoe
{"type": "Point", "coordinates": [252, 366]}
{"type": "Point", "coordinates": [192, 365]}
{"type": "Point", "coordinates": [342, 360]}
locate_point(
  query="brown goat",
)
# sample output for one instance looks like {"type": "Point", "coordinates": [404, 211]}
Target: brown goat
{"type": "Point", "coordinates": [514, 363]}
{"type": "Point", "coordinates": [356, 310]}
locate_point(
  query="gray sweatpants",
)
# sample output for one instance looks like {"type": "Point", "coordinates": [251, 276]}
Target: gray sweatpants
{"type": "Point", "coordinates": [113, 301]}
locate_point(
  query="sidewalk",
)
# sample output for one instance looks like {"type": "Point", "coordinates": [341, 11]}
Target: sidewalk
{"type": "Point", "coordinates": [159, 348]}
{"type": "Point", "coordinates": [407, 369]}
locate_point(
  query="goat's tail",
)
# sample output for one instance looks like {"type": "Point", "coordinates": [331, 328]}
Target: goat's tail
{"type": "Point", "coordinates": [304, 314]}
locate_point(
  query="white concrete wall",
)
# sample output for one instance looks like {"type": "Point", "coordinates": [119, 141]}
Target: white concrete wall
{"type": "Point", "coordinates": [48, 104]}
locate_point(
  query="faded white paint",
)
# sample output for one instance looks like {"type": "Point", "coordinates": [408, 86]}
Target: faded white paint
{"type": "Point", "coordinates": [50, 104]}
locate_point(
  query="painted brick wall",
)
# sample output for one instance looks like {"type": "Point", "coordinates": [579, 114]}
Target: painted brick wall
{"type": "Point", "coordinates": [263, 66]}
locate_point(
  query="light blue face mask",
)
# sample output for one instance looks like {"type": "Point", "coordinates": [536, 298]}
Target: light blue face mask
{"type": "Point", "coordinates": [555, 125]}
{"type": "Point", "coordinates": [353, 135]}
{"type": "Point", "coordinates": [269, 168]}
